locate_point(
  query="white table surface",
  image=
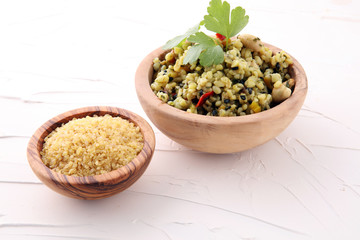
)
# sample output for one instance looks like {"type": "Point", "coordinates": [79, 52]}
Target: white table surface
{"type": "Point", "coordinates": [304, 184]}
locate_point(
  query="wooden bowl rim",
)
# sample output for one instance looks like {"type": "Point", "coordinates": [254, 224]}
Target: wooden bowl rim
{"type": "Point", "coordinates": [116, 176]}
{"type": "Point", "coordinates": [144, 91]}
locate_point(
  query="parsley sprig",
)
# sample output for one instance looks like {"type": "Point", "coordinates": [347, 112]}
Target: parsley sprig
{"type": "Point", "coordinates": [219, 20]}
{"type": "Point", "coordinates": [205, 49]}
{"type": "Point", "coordinates": [179, 40]}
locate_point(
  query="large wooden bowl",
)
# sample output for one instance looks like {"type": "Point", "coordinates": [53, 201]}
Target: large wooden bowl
{"type": "Point", "coordinates": [98, 186]}
{"type": "Point", "coordinates": [218, 134]}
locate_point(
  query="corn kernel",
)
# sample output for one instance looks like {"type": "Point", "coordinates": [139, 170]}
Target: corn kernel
{"type": "Point", "coordinates": [255, 107]}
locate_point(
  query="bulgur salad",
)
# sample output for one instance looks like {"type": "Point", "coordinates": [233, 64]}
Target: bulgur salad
{"type": "Point", "coordinates": [224, 75]}
{"type": "Point", "coordinates": [250, 80]}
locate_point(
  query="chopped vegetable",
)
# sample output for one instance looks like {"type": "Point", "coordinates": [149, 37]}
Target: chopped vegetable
{"type": "Point", "coordinates": [255, 107]}
{"type": "Point", "coordinates": [219, 36]}
{"type": "Point", "coordinates": [203, 98]}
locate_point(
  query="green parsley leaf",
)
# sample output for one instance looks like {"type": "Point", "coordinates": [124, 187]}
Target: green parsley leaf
{"type": "Point", "coordinates": [212, 55]}
{"type": "Point", "coordinates": [201, 38]}
{"type": "Point", "coordinates": [219, 17]}
{"type": "Point", "coordinates": [205, 49]}
{"type": "Point", "coordinates": [238, 21]}
{"type": "Point", "coordinates": [181, 38]}
{"type": "Point", "coordinates": [193, 54]}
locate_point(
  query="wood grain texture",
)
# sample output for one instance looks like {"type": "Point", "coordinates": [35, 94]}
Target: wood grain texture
{"type": "Point", "coordinates": [98, 186]}
{"type": "Point", "coordinates": [219, 134]}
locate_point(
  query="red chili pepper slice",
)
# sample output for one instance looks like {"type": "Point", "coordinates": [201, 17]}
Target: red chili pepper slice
{"type": "Point", "coordinates": [219, 36]}
{"type": "Point", "coordinates": [203, 98]}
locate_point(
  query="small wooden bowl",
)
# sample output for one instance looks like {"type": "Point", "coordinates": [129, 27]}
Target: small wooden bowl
{"type": "Point", "coordinates": [98, 186]}
{"type": "Point", "coordinates": [218, 134]}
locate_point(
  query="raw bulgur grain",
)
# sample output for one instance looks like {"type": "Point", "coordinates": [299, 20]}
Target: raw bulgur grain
{"type": "Point", "coordinates": [92, 145]}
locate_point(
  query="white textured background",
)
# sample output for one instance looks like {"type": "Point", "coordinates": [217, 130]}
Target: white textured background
{"type": "Point", "coordinates": [305, 184]}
